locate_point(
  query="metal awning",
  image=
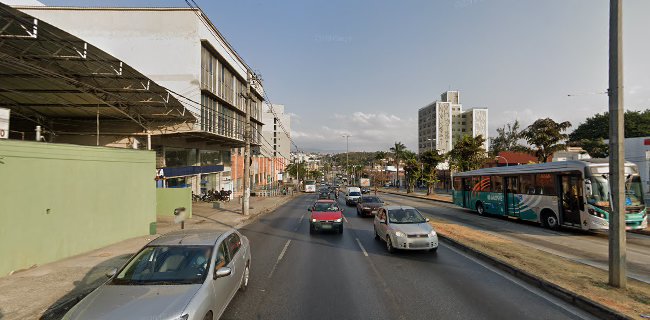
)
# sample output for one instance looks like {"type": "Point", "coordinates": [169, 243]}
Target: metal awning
{"type": "Point", "coordinates": [49, 74]}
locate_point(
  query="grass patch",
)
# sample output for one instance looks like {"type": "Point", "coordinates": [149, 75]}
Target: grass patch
{"type": "Point", "coordinates": [587, 281]}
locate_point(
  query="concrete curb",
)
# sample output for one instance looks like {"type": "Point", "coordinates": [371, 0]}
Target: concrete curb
{"type": "Point", "coordinates": [574, 299]}
{"type": "Point", "coordinates": [414, 196]}
{"type": "Point", "coordinates": [59, 310]}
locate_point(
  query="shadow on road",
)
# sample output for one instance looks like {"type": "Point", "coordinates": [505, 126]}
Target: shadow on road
{"type": "Point", "coordinates": [93, 279]}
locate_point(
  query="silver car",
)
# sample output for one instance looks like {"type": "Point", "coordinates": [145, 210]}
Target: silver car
{"type": "Point", "coordinates": [404, 228]}
{"type": "Point", "coordinates": [184, 275]}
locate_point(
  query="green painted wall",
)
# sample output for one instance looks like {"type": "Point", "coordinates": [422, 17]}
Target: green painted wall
{"type": "Point", "coordinates": [168, 199]}
{"type": "Point", "coordinates": [59, 200]}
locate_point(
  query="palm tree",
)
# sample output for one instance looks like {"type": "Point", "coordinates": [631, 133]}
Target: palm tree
{"type": "Point", "coordinates": [398, 153]}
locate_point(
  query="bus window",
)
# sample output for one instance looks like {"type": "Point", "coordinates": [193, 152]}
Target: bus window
{"type": "Point", "coordinates": [458, 186]}
{"type": "Point", "coordinates": [527, 182]}
{"type": "Point", "coordinates": [497, 183]}
{"type": "Point", "coordinates": [545, 184]}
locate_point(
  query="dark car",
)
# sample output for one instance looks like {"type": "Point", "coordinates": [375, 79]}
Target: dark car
{"type": "Point", "coordinates": [365, 190]}
{"type": "Point", "coordinates": [368, 205]}
{"type": "Point", "coordinates": [323, 195]}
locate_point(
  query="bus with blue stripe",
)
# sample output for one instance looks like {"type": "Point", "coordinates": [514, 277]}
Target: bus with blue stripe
{"type": "Point", "coordinates": [556, 194]}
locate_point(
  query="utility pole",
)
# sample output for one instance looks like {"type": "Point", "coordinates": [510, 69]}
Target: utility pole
{"type": "Point", "coordinates": [347, 154]}
{"type": "Point", "coordinates": [617, 246]}
{"type": "Point", "coordinates": [247, 148]}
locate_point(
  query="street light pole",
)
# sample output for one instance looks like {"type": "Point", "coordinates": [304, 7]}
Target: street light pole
{"type": "Point", "coordinates": [504, 158]}
{"type": "Point", "coordinates": [247, 148]}
{"type": "Point", "coordinates": [617, 247]}
{"type": "Point", "coordinates": [347, 155]}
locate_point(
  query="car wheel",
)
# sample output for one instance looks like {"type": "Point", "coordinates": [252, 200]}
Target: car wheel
{"type": "Point", "coordinates": [358, 212]}
{"type": "Point", "coordinates": [389, 245]}
{"type": "Point", "coordinates": [311, 229]}
{"type": "Point", "coordinates": [434, 250]}
{"type": "Point", "coordinates": [244, 280]}
{"type": "Point", "coordinates": [480, 209]}
{"type": "Point", "coordinates": [341, 229]}
{"type": "Point", "coordinates": [208, 316]}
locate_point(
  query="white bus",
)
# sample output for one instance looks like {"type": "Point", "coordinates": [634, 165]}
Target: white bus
{"type": "Point", "coordinates": [310, 186]}
{"type": "Point", "coordinates": [568, 193]}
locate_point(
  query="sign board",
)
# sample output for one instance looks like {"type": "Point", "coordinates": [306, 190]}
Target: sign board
{"type": "Point", "coordinates": [364, 182]}
{"type": "Point", "coordinates": [280, 176]}
{"type": "Point", "coordinates": [4, 123]}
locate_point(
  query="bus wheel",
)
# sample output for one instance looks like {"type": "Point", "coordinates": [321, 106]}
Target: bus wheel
{"type": "Point", "coordinates": [480, 209]}
{"type": "Point", "coordinates": [549, 220]}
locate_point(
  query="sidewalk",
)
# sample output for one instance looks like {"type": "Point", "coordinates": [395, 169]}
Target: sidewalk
{"type": "Point", "coordinates": [46, 291]}
{"type": "Point", "coordinates": [434, 197]}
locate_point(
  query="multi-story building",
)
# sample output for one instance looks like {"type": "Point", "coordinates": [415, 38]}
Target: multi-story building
{"type": "Point", "coordinates": [180, 49]}
{"type": "Point", "coordinates": [443, 122]}
{"type": "Point", "coordinates": [276, 132]}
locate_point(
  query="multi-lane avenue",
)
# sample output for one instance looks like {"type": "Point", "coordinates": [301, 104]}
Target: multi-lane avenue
{"type": "Point", "coordinates": [296, 275]}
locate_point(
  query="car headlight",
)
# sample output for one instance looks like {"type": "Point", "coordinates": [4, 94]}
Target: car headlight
{"type": "Point", "coordinates": [337, 220]}
{"type": "Point", "coordinates": [313, 220]}
{"type": "Point", "coordinates": [400, 234]}
{"type": "Point", "coordinates": [365, 208]}
{"type": "Point", "coordinates": [432, 233]}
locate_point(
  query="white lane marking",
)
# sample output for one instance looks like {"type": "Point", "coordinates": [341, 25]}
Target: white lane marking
{"type": "Point", "coordinates": [346, 220]}
{"type": "Point", "coordinates": [365, 253]}
{"type": "Point", "coordinates": [299, 222]}
{"type": "Point", "coordinates": [284, 250]}
{"type": "Point", "coordinates": [538, 292]}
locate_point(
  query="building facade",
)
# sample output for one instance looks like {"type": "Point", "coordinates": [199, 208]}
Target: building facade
{"type": "Point", "coordinates": [180, 49]}
{"type": "Point", "coordinates": [443, 122]}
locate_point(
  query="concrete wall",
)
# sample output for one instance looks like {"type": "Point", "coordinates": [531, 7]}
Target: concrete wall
{"type": "Point", "coordinates": [59, 200]}
{"type": "Point", "coordinates": [168, 199]}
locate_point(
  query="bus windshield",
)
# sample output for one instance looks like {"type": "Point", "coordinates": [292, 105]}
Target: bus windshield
{"type": "Point", "coordinates": [310, 182]}
{"type": "Point", "coordinates": [600, 191]}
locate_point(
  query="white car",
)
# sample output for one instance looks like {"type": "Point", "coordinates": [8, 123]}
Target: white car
{"type": "Point", "coordinates": [352, 194]}
{"type": "Point", "coordinates": [403, 227]}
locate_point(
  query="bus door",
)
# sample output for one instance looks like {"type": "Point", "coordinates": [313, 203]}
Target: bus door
{"type": "Point", "coordinates": [571, 198]}
{"type": "Point", "coordinates": [510, 200]}
{"type": "Point", "coordinates": [467, 192]}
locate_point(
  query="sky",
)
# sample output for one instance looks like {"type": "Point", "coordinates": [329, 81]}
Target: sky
{"type": "Point", "coordinates": [365, 67]}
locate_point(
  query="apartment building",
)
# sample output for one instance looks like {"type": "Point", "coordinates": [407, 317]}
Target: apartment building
{"type": "Point", "coordinates": [442, 122]}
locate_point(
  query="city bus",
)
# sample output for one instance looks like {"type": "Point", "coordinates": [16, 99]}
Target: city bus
{"type": "Point", "coordinates": [568, 193]}
{"type": "Point", "coordinates": [310, 186]}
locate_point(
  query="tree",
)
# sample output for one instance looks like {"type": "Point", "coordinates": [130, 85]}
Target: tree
{"type": "Point", "coordinates": [412, 173]}
{"type": "Point", "coordinates": [546, 137]}
{"type": "Point", "coordinates": [468, 153]}
{"type": "Point", "coordinates": [430, 160]}
{"type": "Point", "coordinates": [507, 139]}
{"type": "Point", "coordinates": [294, 168]}
{"type": "Point", "coordinates": [637, 124]}
{"type": "Point", "coordinates": [398, 152]}
{"type": "Point", "coordinates": [596, 148]}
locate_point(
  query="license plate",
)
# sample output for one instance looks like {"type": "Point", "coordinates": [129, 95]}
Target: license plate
{"type": "Point", "coordinates": [326, 226]}
{"type": "Point", "coordinates": [374, 211]}
{"type": "Point", "coordinates": [418, 245]}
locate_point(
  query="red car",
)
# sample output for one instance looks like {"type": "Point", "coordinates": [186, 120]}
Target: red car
{"type": "Point", "coordinates": [325, 216]}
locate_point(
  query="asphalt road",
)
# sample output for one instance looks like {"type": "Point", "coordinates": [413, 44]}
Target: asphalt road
{"type": "Point", "coordinates": [295, 275]}
{"type": "Point", "coordinates": [581, 246]}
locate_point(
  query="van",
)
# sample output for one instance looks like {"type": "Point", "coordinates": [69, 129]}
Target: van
{"type": "Point", "coordinates": [352, 195]}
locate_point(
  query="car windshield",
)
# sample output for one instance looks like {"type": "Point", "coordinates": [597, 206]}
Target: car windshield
{"type": "Point", "coordinates": [325, 206]}
{"type": "Point", "coordinates": [371, 200]}
{"type": "Point", "coordinates": [403, 216]}
{"type": "Point", "coordinates": [354, 193]}
{"type": "Point", "coordinates": [166, 265]}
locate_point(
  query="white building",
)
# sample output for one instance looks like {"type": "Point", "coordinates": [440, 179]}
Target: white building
{"type": "Point", "coordinates": [183, 51]}
{"type": "Point", "coordinates": [442, 123]}
{"type": "Point", "coordinates": [276, 132]}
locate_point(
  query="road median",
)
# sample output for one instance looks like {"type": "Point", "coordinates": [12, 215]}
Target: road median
{"type": "Point", "coordinates": [581, 285]}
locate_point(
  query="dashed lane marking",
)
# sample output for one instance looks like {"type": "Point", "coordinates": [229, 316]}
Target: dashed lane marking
{"type": "Point", "coordinates": [284, 250]}
{"type": "Point", "coordinates": [365, 253]}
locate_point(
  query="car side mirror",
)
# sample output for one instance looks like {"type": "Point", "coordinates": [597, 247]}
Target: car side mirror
{"type": "Point", "coordinates": [426, 219]}
{"type": "Point", "coordinates": [382, 221]}
{"type": "Point", "coordinates": [222, 272]}
{"type": "Point", "coordinates": [308, 209]}
{"type": "Point", "coordinates": [111, 273]}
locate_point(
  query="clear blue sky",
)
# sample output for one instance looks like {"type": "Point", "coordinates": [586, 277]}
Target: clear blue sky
{"type": "Point", "coordinates": [365, 67]}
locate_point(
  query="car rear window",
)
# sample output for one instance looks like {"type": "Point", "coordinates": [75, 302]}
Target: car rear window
{"type": "Point", "coordinates": [354, 193]}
